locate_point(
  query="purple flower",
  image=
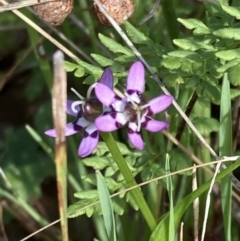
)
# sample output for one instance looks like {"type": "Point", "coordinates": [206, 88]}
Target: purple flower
{"type": "Point", "coordinates": [85, 111]}
{"type": "Point", "coordinates": [131, 109]}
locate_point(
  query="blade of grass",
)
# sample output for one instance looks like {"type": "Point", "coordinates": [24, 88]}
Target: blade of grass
{"type": "Point", "coordinates": [170, 194]}
{"type": "Point", "coordinates": [225, 149]}
{"type": "Point", "coordinates": [59, 100]}
{"type": "Point", "coordinates": [106, 206]}
{"type": "Point", "coordinates": [123, 167]}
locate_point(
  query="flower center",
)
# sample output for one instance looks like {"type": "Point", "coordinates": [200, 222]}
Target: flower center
{"type": "Point", "coordinates": [131, 111]}
{"type": "Point", "coordinates": [91, 109]}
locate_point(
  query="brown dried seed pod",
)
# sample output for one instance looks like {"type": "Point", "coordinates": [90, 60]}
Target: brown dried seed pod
{"type": "Point", "coordinates": [54, 12]}
{"type": "Point", "coordinates": [120, 10]}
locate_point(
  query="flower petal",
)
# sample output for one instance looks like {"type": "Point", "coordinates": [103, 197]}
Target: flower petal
{"type": "Point", "coordinates": [70, 129]}
{"type": "Point", "coordinates": [136, 78]}
{"type": "Point", "coordinates": [136, 139]}
{"type": "Point", "coordinates": [107, 78]}
{"type": "Point", "coordinates": [69, 108]}
{"type": "Point", "coordinates": [111, 122]}
{"type": "Point", "coordinates": [104, 94]}
{"type": "Point", "coordinates": [154, 125]}
{"type": "Point", "coordinates": [159, 104]}
{"type": "Point", "coordinates": [88, 143]}
{"type": "Point", "coordinates": [82, 122]}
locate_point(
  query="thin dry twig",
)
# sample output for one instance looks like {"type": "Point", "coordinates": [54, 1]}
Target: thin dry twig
{"type": "Point", "coordinates": [22, 4]}
{"type": "Point", "coordinates": [195, 205]}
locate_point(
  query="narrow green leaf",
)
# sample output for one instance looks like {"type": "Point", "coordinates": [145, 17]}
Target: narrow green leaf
{"type": "Point", "coordinates": [103, 61]}
{"type": "Point", "coordinates": [96, 162]}
{"type": "Point", "coordinates": [225, 149]}
{"type": "Point", "coordinates": [228, 65]}
{"type": "Point", "coordinates": [106, 205]}
{"type": "Point", "coordinates": [92, 69]}
{"type": "Point", "coordinates": [233, 11]}
{"type": "Point", "coordinates": [135, 35]}
{"type": "Point", "coordinates": [191, 44]}
{"type": "Point", "coordinates": [171, 229]}
{"type": "Point", "coordinates": [69, 67]}
{"type": "Point", "coordinates": [114, 46]}
{"type": "Point", "coordinates": [233, 75]}
{"type": "Point", "coordinates": [171, 62]}
{"type": "Point", "coordinates": [228, 54]}
{"type": "Point", "coordinates": [198, 26]}
{"type": "Point", "coordinates": [228, 33]}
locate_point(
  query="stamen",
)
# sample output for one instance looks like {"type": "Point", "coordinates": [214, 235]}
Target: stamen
{"type": "Point", "coordinates": [138, 121]}
{"type": "Point", "coordinates": [144, 106]}
{"type": "Point", "coordinates": [77, 94]}
{"type": "Point", "coordinates": [90, 90]}
{"type": "Point", "coordinates": [76, 103]}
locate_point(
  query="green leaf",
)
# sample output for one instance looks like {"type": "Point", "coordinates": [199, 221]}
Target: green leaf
{"type": "Point", "coordinates": [208, 90]}
{"type": "Point", "coordinates": [225, 149]}
{"type": "Point", "coordinates": [69, 67]}
{"type": "Point", "coordinates": [91, 69]}
{"type": "Point", "coordinates": [185, 54]}
{"type": "Point", "coordinates": [103, 61]}
{"type": "Point", "coordinates": [199, 27]}
{"type": "Point", "coordinates": [89, 194]}
{"type": "Point", "coordinates": [193, 81]}
{"type": "Point", "coordinates": [173, 79]}
{"type": "Point", "coordinates": [191, 44]}
{"type": "Point", "coordinates": [228, 54]}
{"type": "Point", "coordinates": [171, 235]}
{"type": "Point", "coordinates": [82, 207]}
{"type": "Point", "coordinates": [233, 11]}
{"type": "Point", "coordinates": [114, 46]}
{"type": "Point", "coordinates": [179, 161]}
{"type": "Point", "coordinates": [162, 228]}
{"type": "Point", "coordinates": [206, 125]}
{"type": "Point", "coordinates": [228, 33]}
{"type": "Point", "coordinates": [79, 72]}
{"type": "Point", "coordinates": [135, 35]}
{"type": "Point", "coordinates": [171, 62]}
{"type": "Point", "coordinates": [234, 93]}
{"type": "Point", "coordinates": [96, 162]}
{"type": "Point", "coordinates": [106, 206]}
{"type": "Point", "coordinates": [228, 65]}
{"type": "Point", "coordinates": [234, 75]}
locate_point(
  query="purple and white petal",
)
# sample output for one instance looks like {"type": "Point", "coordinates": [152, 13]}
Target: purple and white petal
{"type": "Point", "coordinates": [136, 139]}
{"type": "Point", "coordinates": [70, 110]}
{"type": "Point", "coordinates": [107, 78]}
{"type": "Point", "coordinates": [89, 141]}
{"type": "Point", "coordinates": [159, 104]}
{"type": "Point", "coordinates": [136, 78]}
{"type": "Point", "coordinates": [82, 122]}
{"type": "Point", "coordinates": [70, 129]}
{"type": "Point", "coordinates": [154, 125]}
{"type": "Point", "coordinates": [119, 105]}
{"type": "Point", "coordinates": [133, 126]}
{"type": "Point", "coordinates": [111, 122]}
{"type": "Point", "coordinates": [104, 94]}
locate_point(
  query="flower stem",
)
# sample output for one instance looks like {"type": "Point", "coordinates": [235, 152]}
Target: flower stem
{"type": "Point", "coordinates": [123, 167]}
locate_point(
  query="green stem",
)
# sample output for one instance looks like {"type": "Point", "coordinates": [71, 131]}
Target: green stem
{"type": "Point", "coordinates": [171, 19]}
{"type": "Point", "coordinates": [123, 167]}
{"type": "Point", "coordinates": [88, 19]}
